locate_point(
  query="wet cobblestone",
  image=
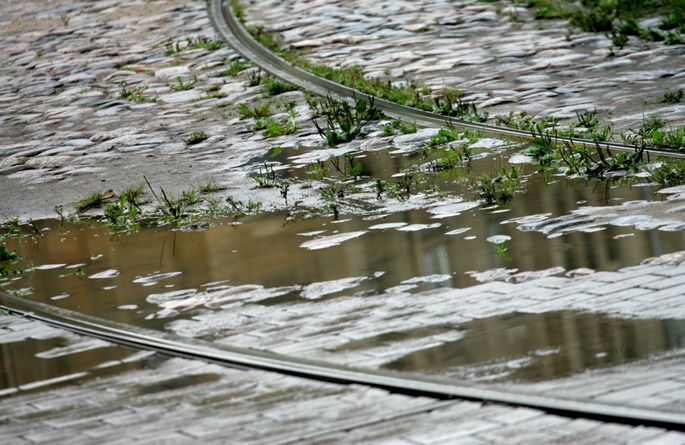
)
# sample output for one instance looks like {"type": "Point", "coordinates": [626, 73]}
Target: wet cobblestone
{"type": "Point", "coordinates": [495, 52]}
{"type": "Point", "coordinates": [184, 401]}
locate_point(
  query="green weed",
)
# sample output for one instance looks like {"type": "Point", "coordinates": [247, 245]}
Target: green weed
{"type": "Point", "coordinates": [451, 104]}
{"type": "Point", "coordinates": [402, 186]}
{"type": "Point", "coordinates": [398, 126]}
{"type": "Point", "coordinates": [266, 177]}
{"type": "Point", "coordinates": [381, 187]}
{"type": "Point", "coordinates": [618, 18]}
{"type": "Point", "coordinates": [669, 174]}
{"type": "Point", "coordinates": [123, 214]}
{"type": "Point", "coordinates": [241, 208]}
{"type": "Point", "coordinates": [234, 68]}
{"type": "Point", "coordinates": [542, 148]}
{"type": "Point", "coordinates": [256, 112]}
{"type": "Point", "coordinates": [316, 171]}
{"type": "Point", "coordinates": [255, 78]}
{"type": "Point", "coordinates": [133, 194]}
{"type": "Point", "coordinates": [672, 97]}
{"type": "Point", "coordinates": [199, 42]}
{"type": "Point", "coordinates": [280, 127]}
{"type": "Point", "coordinates": [196, 137]}
{"type": "Point", "coordinates": [94, 200]}
{"type": "Point", "coordinates": [210, 187]}
{"type": "Point", "coordinates": [172, 209]}
{"type": "Point", "coordinates": [202, 42]}
{"type": "Point", "coordinates": [348, 166]}
{"type": "Point", "coordinates": [452, 158]}
{"type": "Point", "coordinates": [597, 161]}
{"type": "Point", "coordinates": [238, 10]}
{"type": "Point", "coordinates": [674, 138]}
{"type": "Point", "coordinates": [274, 87]}
{"type": "Point", "coordinates": [343, 122]}
{"type": "Point", "coordinates": [498, 188]}
{"type": "Point", "coordinates": [183, 85]}
{"type": "Point", "coordinates": [190, 197]}
{"type": "Point", "coordinates": [502, 250]}
{"type": "Point", "coordinates": [134, 94]}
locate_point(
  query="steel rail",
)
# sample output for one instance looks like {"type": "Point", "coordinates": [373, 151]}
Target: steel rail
{"type": "Point", "coordinates": [175, 346]}
{"type": "Point", "coordinates": [229, 27]}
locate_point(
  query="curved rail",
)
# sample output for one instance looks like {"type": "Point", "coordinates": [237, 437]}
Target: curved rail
{"type": "Point", "coordinates": [229, 27]}
{"type": "Point", "coordinates": [175, 346]}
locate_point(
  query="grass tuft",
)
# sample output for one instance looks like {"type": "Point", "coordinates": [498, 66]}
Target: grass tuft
{"type": "Point", "coordinates": [499, 188]}
{"type": "Point", "coordinates": [255, 112]}
{"type": "Point", "coordinates": [672, 97]}
{"type": "Point", "coordinates": [94, 200]}
{"type": "Point", "coordinates": [343, 122]}
{"type": "Point", "coordinates": [234, 68]}
{"type": "Point", "coordinates": [196, 137]}
{"type": "Point", "coordinates": [669, 174]}
{"type": "Point", "coordinates": [274, 87]}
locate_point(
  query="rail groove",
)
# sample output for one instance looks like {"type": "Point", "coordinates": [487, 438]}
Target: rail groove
{"type": "Point", "coordinates": [236, 357]}
{"type": "Point", "coordinates": [229, 27]}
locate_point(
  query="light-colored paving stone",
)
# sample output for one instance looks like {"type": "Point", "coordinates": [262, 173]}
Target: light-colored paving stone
{"type": "Point", "coordinates": [185, 401]}
{"type": "Point", "coordinates": [380, 329]}
{"type": "Point", "coordinates": [66, 131]}
{"type": "Point", "coordinates": [542, 67]}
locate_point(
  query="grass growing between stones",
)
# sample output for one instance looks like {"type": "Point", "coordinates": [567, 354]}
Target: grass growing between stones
{"type": "Point", "coordinates": [342, 122]}
{"type": "Point", "coordinates": [672, 97]}
{"type": "Point", "coordinates": [210, 186]}
{"type": "Point", "coordinates": [199, 42]}
{"type": "Point", "coordinates": [669, 174]}
{"type": "Point", "coordinates": [134, 94]}
{"type": "Point", "coordinates": [280, 127]}
{"type": "Point", "coordinates": [498, 188]}
{"type": "Point", "coordinates": [274, 87]}
{"type": "Point", "coordinates": [450, 103]}
{"type": "Point", "coordinates": [183, 85]}
{"type": "Point", "coordinates": [399, 127]}
{"type": "Point", "coordinates": [234, 68]}
{"type": "Point", "coordinates": [196, 137]}
{"type": "Point", "coordinates": [128, 210]}
{"type": "Point", "coordinates": [255, 112]}
{"type": "Point", "coordinates": [619, 19]}
{"type": "Point", "coordinates": [94, 200]}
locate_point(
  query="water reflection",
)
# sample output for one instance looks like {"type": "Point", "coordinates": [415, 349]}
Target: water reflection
{"type": "Point", "coordinates": [534, 347]}
{"type": "Point", "coordinates": [21, 362]}
{"type": "Point", "coordinates": [269, 252]}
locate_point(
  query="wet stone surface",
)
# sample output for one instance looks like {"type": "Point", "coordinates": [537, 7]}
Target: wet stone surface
{"type": "Point", "coordinates": [534, 347]}
{"type": "Point", "coordinates": [543, 67]}
{"type": "Point", "coordinates": [89, 103]}
{"type": "Point", "coordinates": [66, 130]}
{"type": "Point", "coordinates": [184, 401]}
{"type": "Point", "coordinates": [36, 356]}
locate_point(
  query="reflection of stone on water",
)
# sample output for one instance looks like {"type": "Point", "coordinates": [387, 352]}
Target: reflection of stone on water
{"type": "Point", "coordinates": [533, 347]}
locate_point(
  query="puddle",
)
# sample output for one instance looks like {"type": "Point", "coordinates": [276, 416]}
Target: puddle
{"type": "Point", "coordinates": [178, 383]}
{"type": "Point", "coordinates": [440, 236]}
{"type": "Point", "coordinates": [130, 278]}
{"type": "Point", "coordinates": [536, 347]}
{"type": "Point", "coordinates": [30, 361]}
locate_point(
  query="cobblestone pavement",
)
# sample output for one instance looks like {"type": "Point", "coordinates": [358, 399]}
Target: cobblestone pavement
{"type": "Point", "coordinates": [502, 64]}
{"type": "Point", "coordinates": [185, 401]}
{"type": "Point", "coordinates": [374, 331]}
{"type": "Point", "coordinates": [66, 130]}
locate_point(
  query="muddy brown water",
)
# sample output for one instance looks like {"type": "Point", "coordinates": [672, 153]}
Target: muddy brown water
{"type": "Point", "coordinates": [269, 251]}
{"type": "Point", "coordinates": [535, 347]}
{"type": "Point", "coordinates": [31, 361]}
